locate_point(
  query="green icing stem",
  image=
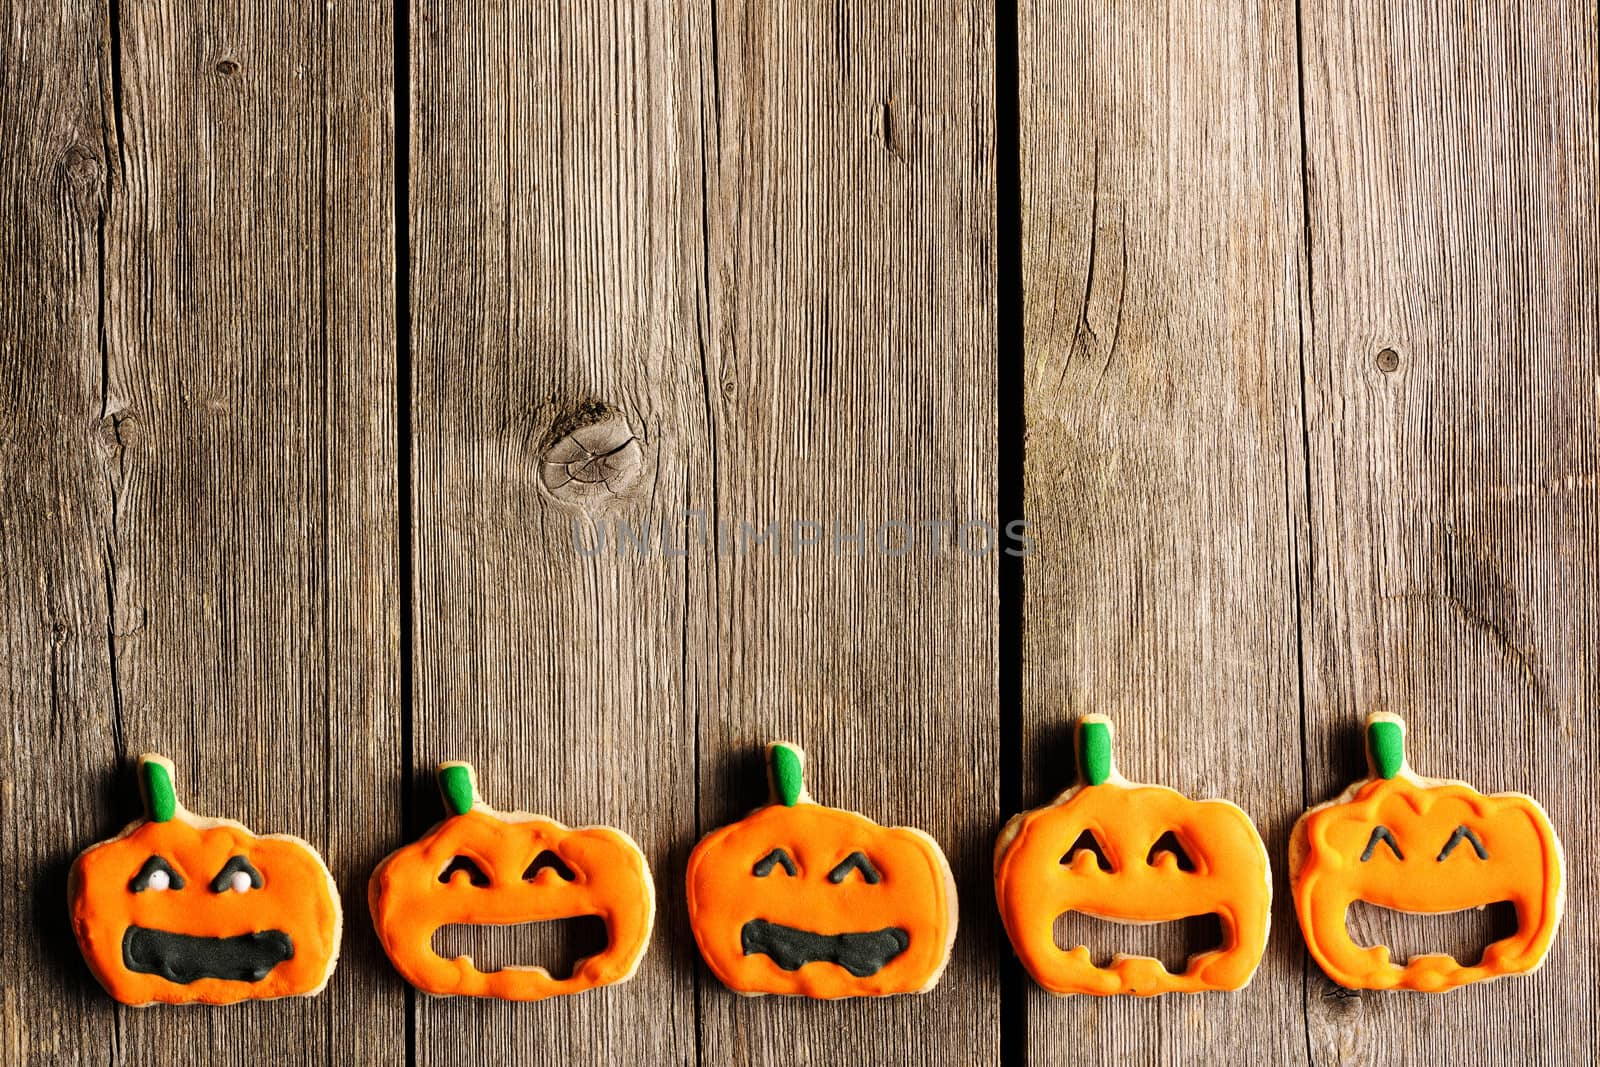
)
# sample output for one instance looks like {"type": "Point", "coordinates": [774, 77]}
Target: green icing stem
{"type": "Point", "coordinates": [1094, 752]}
{"type": "Point", "coordinates": [787, 774]}
{"type": "Point", "coordinates": [455, 783]}
{"type": "Point", "coordinates": [1386, 744]}
{"type": "Point", "coordinates": [160, 798]}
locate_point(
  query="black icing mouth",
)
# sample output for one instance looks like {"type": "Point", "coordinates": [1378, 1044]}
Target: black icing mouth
{"type": "Point", "coordinates": [861, 954]}
{"type": "Point", "coordinates": [182, 958]}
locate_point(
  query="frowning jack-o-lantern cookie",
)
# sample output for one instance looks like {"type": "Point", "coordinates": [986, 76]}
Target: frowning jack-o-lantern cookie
{"type": "Point", "coordinates": [1116, 850]}
{"type": "Point", "coordinates": [486, 867]}
{"type": "Point", "coordinates": [180, 909]}
{"type": "Point", "coordinates": [1424, 845]}
{"type": "Point", "coordinates": [806, 900]}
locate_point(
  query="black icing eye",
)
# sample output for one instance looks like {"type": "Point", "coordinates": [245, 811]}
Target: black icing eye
{"type": "Point", "coordinates": [549, 861]}
{"type": "Point", "coordinates": [238, 874]}
{"type": "Point", "coordinates": [1464, 833]}
{"type": "Point", "coordinates": [1087, 842]}
{"type": "Point", "coordinates": [776, 858]}
{"type": "Point", "coordinates": [474, 873]}
{"type": "Point", "coordinates": [856, 861]}
{"type": "Point", "coordinates": [1381, 833]}
{"type": "Point", "coordinates": [156, 875]}
{"type": "Point", "coordinates": [1168, 842]}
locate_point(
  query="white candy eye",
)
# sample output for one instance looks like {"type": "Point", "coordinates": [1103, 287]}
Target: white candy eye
{"type": "Point", "coordinates": [238, 875]}
{"type": "Point", "coordinates": [158, 880]}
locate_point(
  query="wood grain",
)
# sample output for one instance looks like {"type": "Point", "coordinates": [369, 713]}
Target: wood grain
{"type": "Point", "coordinates": [1312, 427]}
{"type": "Point", "coordinates": [1161, 254]}
{"type": "Point", "coordinates": [850, 376]}
{"type": "Point", "coordinates": [615, 222]}
{"type": "Point", "coordinates": [1451, 415]}
{"type": "Point", "coordinates": [58, 683]}
{"type": "Point", "coordinates": [200, 469]}
{"type": "Point", "coordinates": [555, 228]}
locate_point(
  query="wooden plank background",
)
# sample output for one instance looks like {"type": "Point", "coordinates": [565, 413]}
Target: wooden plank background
{"type": "Point", "coordinates": [1161, 247]}
{"type": "Point", "coordinates": [1452, 400]}
{"type": "Point", "coordinates": [1280, 317]}
{"type": "Point", "coordinates": [197, 464]}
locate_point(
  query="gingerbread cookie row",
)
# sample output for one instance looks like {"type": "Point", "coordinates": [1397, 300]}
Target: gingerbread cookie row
{"type": "Point", "coordinates": [802, 899]}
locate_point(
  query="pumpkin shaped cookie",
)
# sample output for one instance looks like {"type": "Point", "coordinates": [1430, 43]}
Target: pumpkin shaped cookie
{"type": "Point", "coordinates": [486, 867]}
{"type": "Point", "coordinates": [1103, 848]}
{"type": "Point", "coordinates": [806, 900]}
{"type": "Point", "coordinates": [1425, 845]}
{"type": "Point", "coordinates": [180, 909]}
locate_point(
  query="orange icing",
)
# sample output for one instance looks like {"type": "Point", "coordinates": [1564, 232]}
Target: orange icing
{"type": "Point", "coordinates": [1523, 866]}
{"type": "Point", "coordinates": [297, 896]}
{"type": "Point", "coordinates": [916, 894]}
{"type": "Point", "coordinates": [611, 880]}
{"type": "Point", "coordinates": [1231, 879]}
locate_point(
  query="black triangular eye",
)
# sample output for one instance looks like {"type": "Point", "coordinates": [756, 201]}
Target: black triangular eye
{"type": "Point", "coordinates": [548, 860]}
{"type": "Point", "coordinates": [1464, 833]}
{"type": "Point", "coordinates": [1381, 833]}
{"type": "Point", "coordinates": [475, 873]}
{"type": "Point", "coordinates": [776, 858]}
{"type": "Point", "coordinates": [856, 861]}
{"type": "Point", "coordinates": [224, 880]}
{"type": "Point", "coordinates": [1087, 842]}
{"type": "Point", "coordinates": [1168, 842]}
{"type": "Point", "coordinates": [165, 876]}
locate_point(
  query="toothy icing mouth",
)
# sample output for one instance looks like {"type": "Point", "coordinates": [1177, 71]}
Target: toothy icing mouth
{"type": "Point", "coordinates": [1173, 943]}
{"type": "Point", "coordinates": [862, 954]}
{"type": "Point", "coordinates": [184, 958]}
{"type": "Point", "coordinates": [1461, 935]}
{"type": "Point", "coordinates": [559, 945]}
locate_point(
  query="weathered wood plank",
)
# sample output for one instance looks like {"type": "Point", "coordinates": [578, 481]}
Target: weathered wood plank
{"type": "Point", "coordinates": [1455, 465]}
{"type": "Point", "coordinates": [1161, 255]}
{"type": "Point", "coordinates": [200, 470]}
{"type": "Point", "coordinates": [850, 370]}
{"type": "Point", "coordinates": [759, 247]}
{"type": "Point", "coordinates": [58, 687]}
{"type": "Point", "coordinates": [549, 282]}
{"type": "Point", "coordinates": [555, 234]}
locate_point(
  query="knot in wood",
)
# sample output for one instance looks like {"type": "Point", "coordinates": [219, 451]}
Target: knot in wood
{"type": "Point", "coordinates": [597, 459]}
{"type": "Point", "coordinates": [83, 167]}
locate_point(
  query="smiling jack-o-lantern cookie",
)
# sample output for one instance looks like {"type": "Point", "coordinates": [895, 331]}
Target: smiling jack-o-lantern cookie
{"type": "Point", "coordinates": [1105, 848]}
{"type": "Point", "coordinates": [806, 900]}
{"type": "Point", "coordinates": [486, 867]}
{"type": "Point", "coordinates": [1423, 845]}
{"type": "Point", "coordinates": [179, 909]}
